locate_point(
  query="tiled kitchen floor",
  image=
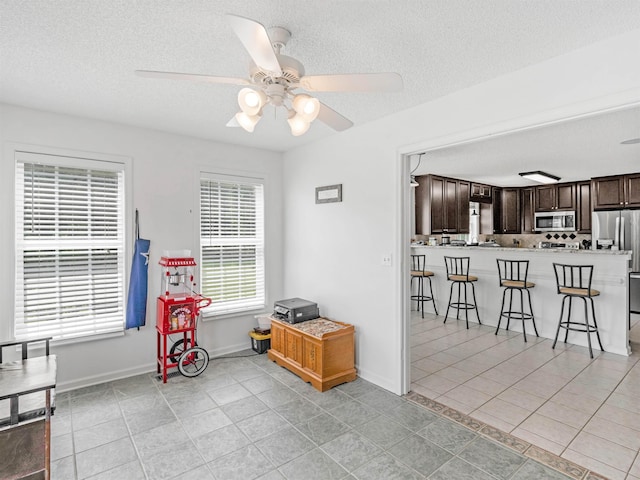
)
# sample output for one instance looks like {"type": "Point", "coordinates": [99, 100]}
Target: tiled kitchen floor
{"type": "Point", "coordinates": [247, 418]}
{"type": "Point", "coordinates": [586, 411]}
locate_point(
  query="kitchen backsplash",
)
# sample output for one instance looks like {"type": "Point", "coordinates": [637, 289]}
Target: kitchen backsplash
{"type": "Point", "coordinates": [524, 241]}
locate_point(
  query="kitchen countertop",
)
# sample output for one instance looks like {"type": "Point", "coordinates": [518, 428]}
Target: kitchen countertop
{"type": "Point", "coordinates": [524, 249]}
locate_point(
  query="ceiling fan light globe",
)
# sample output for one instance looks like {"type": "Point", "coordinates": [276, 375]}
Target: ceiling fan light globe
{"type": "Point", "coordinates": [306, 106]}
{"type": "Point", "coordinates": [298, 124]}
{"type": "Point", "coordinates": [248, 122]}
{"type": "Point", "coordinates": [251, 101]}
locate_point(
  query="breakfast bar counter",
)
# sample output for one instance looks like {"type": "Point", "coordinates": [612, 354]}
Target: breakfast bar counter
{"type": "Point", "coordinates": [610, 277]}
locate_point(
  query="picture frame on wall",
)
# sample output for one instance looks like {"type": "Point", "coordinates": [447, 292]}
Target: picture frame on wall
{"type": "Point", "coordinates": [329, 194]}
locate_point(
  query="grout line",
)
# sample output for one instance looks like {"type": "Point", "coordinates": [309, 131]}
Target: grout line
{"type": "Point", "coordinates": [508, 440]}
{"type": "Point", "coordinates": [547, 400]}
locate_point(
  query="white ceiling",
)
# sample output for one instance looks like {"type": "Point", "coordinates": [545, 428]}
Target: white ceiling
{"type": "Point", "coordinates": [573, 150]}
{"type": "Point", "coordinates": [78, 56]}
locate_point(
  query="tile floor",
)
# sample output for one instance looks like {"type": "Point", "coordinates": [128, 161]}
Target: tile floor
{"type": "Point", "coordinates": [586, 411]}
{"type": "Point", "coordinates": [247, 418]}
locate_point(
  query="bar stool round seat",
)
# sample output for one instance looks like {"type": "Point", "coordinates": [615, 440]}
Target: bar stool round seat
{"type": "Point", "coordinates": [418, 272]}
{"type": "Point", "coordinates": [574, 281]}
{"type": "Point", "coordinates": [458, 274]}
{"type": "Point", "coordinates": [512, 275]}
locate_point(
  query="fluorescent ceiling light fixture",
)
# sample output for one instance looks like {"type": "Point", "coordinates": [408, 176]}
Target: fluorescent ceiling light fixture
{"type": "Point", "coordinates": [539, 176]}
{"type": "Point", "coordinates": [631, 141]}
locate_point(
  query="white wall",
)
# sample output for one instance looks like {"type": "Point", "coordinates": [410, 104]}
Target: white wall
{"type": "Point", "coordinates": [334, 251]}
{"type": "Point", "coordinates": [165, 192]}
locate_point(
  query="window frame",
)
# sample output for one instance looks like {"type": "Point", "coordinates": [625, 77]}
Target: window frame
{"type": "Point", "coordinates": [224, 175]}
{"type": "Point", "coordinates": [83, 160]}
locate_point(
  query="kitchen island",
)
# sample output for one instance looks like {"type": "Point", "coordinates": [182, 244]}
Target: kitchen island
{"type": "Point", "coordinates": [610, 277]}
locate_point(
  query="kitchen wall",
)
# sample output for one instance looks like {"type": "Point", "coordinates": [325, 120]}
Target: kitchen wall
{"type": "Point", "coordinates": [164, 189]}
{"type": "Point", "coordinates": [334, 251]}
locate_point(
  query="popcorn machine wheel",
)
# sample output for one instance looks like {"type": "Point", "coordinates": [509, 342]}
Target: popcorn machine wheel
{"type": "Point", "coordinates": [178, 309]}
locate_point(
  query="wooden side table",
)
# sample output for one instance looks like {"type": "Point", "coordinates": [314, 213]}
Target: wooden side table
{"type": "Point", "coordinates": [319, 351]}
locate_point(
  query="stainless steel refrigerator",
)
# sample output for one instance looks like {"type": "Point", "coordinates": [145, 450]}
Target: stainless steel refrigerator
{"type": "Point", "coordinates": [620, 229]}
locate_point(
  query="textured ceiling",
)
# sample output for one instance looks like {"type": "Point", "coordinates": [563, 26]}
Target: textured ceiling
{"type": "Point", "coordinates": [573, 150]}
{"type": "Point", "coordinates": [78, 56]}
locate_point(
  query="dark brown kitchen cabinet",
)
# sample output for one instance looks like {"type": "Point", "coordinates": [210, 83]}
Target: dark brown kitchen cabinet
{"type": "Point", "coordinates": [510, 210]}
{"type": "Point", "coordinates": [561, 196]}
{"type": "Point", "coordinates": [615, 192]}
{"type": "Point", "coordinates": [583, 202]}
{"type": "Point", "coordinates": [497, 210]}
{"type": "Point", "coordinates": [527, 210]}
{"type": "Point", "coordinates": [450, 220]}
{"type": "Point", "coordinates": [632, 190]}
{"type": "Point", "coordinates": [463, 206]}
{"type": "Point", "coordinates": [480, 193]}
{"type": "Point", "coordinates": [442, 205]}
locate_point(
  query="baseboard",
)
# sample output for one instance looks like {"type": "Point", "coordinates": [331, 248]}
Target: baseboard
{"type": "Point", "coordinates": [138, 370]}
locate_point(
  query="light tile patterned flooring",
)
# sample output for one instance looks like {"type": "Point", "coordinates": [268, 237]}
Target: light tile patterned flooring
{"type": "Point", "coordinates": [586, 411]}
{"type": "Point", "coordinates": [247, 418]}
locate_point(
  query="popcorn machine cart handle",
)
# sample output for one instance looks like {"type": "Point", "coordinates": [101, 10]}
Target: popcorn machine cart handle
{"type": "Point", "coordinates": [201, 302]}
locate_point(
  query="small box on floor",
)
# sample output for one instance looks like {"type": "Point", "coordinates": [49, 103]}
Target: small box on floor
{"type": "Point", "coordinates": [260, 343]}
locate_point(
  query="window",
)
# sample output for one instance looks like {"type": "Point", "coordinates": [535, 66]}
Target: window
{"type": "Point", "coordinates": [232, 243]}
{"type": "Point", "coordinates": [70, 246]}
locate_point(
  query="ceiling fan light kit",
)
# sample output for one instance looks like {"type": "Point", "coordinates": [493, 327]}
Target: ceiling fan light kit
{"type": "Point", "coordinates": [251, 101]}
{"type": "Point", "coordinates": [299, 125]}
{"type": "Point", "coordinates": [274, 77]}
{"type": "Point", "coordinates": [248, 122]}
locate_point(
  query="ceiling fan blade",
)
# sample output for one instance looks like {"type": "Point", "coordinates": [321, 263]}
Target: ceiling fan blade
{"type": "Point", "coordinates": [353, 82]}
{"type": "Point", "coordinates": [233, 122]}
{"type": "Point", "coordinates": [194, 77]}
{"type": "Point", "coordinates": [255, 39]}
{"type": "Point", "coordinates": [333, 119]}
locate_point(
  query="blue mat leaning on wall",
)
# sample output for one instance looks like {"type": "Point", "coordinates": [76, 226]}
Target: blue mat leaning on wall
{"type": "Point", "coordinates": [137, 300]}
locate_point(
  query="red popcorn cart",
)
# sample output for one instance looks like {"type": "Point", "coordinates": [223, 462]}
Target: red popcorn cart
{"type": "Point", "coordinates": [178, 308]}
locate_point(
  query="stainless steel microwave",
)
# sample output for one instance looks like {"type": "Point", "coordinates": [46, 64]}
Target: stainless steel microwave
{"type": "Point", "coordinates": [555, 221]}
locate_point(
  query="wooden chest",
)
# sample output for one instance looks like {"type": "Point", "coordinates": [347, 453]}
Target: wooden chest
{"type": "Point", "coordinates": [319, 351]}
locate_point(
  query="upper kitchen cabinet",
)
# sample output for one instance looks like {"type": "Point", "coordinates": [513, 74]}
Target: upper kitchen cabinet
{"type": "Point", "coordinates": [583, 202]}
{"type": "Point", "coordinates": [527, 196]}
{"type": "Point", "coordinates": [559, 196]}
{"type": "Point", "coordinates": [480, 193]}
{"type": "Point", "coordinates": [510, 211]}
{"type": "Point", "coordinates": [442, 205]}
{"type": "Point", "coordinates": [615, 192]}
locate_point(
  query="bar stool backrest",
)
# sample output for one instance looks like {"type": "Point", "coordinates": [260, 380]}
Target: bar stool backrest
{"type": "Point", "coordinates": [512, 270]}
{"type": "Point", "coordinates": [457, 266]}
{"type": "Point", "coordinates": [577, 277]}
{"type": "Point", "coordinates": [418, 263]}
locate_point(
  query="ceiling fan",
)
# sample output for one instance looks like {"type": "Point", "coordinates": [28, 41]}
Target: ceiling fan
{"type": "Point", "coordinates": [274, 77]}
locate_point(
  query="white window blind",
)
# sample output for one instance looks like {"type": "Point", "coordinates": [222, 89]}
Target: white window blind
{"type": "Point", "coordinates": [70, 246]}
{"type": "Point", "coordinates": [232, 243]}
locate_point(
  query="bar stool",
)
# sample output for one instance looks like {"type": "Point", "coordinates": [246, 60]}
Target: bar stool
{"type": "Point", "coordinates": [574, 281]}
{"type": "Point", "coordinates": [458, 273]}
{"type": "Point", "coordinates": [513, 276]}
{"type": "Point", "coordinates": [418, 272]}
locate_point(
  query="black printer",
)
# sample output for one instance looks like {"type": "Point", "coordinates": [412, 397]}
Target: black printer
{"type": "Point", "coordinates": [295, 310]}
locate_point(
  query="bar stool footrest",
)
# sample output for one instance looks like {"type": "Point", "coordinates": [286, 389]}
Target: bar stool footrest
{"type": "Point", "coordinates": [463, 306]}
{"type": "Point", "coordinates": [515, 315]}
{"type": "Point", "coordinates": [583, 328]}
